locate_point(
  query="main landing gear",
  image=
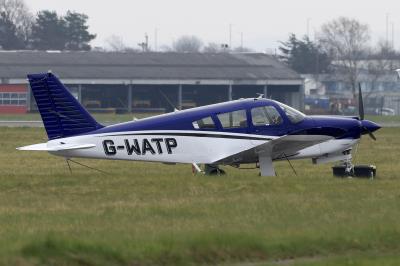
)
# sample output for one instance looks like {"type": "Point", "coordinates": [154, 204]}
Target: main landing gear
{"type": "Point", "coordinates": [210, 169]}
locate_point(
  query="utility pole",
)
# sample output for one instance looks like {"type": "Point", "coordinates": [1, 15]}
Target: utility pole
{"type": "Point", "coordinates": [241, 41]}
{"type": "Point", "coordinates": [308, 27]}
{"type": "Point", "coordinates": [156, 40]}
{"type": "Point", "coordinates": [146, 37]}
{"type": "Point", "coordinates": [392, 35]}
{"type": "Point", "coordinates": [145, 45]}
{"type": "Point", "coordinates": [387, 29]}
{"type": "Point", "coordinates": [230, 36]}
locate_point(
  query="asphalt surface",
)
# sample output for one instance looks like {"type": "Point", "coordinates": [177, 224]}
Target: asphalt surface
{"type": "Point", "coordinates": [4, 123]}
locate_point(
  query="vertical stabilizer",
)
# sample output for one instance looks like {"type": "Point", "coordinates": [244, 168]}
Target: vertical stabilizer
{"type": "Point", "coordinates": [62, 114]}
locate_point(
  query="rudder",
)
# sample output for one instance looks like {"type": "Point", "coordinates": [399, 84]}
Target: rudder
{"type": "Point", "coordinates": [62, 114]}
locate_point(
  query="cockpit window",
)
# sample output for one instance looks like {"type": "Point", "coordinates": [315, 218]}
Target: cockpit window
{"type": "Point", "coordinates": [265, 116]}
{"type": "Point", "coordinates": [233, 119]}
{"type": "Point", "coordinates": [293, 115]}
{"type": "Point", "coordinates": [205, 123]}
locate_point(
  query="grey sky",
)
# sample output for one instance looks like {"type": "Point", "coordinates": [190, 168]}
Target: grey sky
{"type": "Point", "coordinates": [262, 22]}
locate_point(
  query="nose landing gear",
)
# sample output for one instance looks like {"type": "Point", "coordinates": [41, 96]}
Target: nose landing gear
{"type": "Point", "coordinates": [348, 169]}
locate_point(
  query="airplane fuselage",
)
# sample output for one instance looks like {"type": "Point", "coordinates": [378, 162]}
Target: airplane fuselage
{"type": "Point", "coordinates": [174, 138]}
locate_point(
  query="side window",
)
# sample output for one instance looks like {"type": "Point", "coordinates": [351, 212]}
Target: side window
{"type": "Point", "coordinates": [233, 119]}
{"type": "Point", "coordinates": [205, 123]}
{"type": "Point", "coordinates": [265, 115]}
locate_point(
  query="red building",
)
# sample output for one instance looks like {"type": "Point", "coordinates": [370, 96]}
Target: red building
{"type": "Point", "coordinates": [13, 98]}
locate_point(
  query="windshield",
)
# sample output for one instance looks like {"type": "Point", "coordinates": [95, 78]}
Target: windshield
{"type": "Point", "coordinates": [293, 115]}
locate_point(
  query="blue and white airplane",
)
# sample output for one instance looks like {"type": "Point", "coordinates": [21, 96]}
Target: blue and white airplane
{"type": "Point", "coordinates": [256, 130]}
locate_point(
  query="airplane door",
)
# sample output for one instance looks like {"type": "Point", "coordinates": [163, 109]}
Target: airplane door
{"type": "Point", "coordinates": [267, 121]}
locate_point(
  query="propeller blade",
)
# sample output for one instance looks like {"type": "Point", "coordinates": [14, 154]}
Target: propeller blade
{"type": "Point", "coordinates": [360, 103]}
{"type": "Point", "coordinates": [372, 136]}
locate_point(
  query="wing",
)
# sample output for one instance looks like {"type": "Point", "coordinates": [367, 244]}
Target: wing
{"type": "Point", "coordinates": [282, 147]}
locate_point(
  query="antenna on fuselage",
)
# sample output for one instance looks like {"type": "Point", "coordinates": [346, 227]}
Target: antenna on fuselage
{"type": "Point", "coordinates": [260, 95]}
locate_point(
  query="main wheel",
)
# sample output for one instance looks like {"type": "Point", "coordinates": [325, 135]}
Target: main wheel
{"type": "Point", "coordinates": [366, 171]}
{"type": "Point", "coordinates": [213, 170]}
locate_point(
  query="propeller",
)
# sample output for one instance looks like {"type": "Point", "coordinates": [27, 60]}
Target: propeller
{"type": "Point", "coordinates": [360, 103]}
{"type": "Point", "coordinates": [364, 123]}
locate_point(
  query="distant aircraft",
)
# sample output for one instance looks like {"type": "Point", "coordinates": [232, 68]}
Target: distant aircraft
{"type": "Point", "coordinates": [255, 130]}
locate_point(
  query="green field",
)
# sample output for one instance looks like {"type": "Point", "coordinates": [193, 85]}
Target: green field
{"type": "Point", "coordinates": [154, 214]}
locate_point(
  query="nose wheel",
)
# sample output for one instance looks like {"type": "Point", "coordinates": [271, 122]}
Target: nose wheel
{"type": "Point", "coordinates": [348, 169]}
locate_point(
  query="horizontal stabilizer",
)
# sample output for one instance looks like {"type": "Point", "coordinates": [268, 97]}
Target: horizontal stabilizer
{"type": "Point", "coordinates": [62, 147]}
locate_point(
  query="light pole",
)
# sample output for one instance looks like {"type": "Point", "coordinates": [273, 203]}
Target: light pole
{"type": "Point", "coordinates": [230, 35]}
{"type": "Point", "coordinates": [308, 27]}
{"type": "Point", "coordinates": [387, 29]}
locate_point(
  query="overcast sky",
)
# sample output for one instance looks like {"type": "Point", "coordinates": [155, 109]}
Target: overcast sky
{"type": "Point", "coordinates": [262, 22]}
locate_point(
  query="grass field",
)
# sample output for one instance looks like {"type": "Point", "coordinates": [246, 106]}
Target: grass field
{"type": "Point", "coordinates": [154, 214]}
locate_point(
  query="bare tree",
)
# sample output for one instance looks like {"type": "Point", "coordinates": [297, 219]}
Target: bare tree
{"type": "Point", "coordinates": [381, 63]}
{"type": "Point", "coordinates": [212, 48]}
{"type": "Point", "coordinates": [115, 43]}
{"type": "Point", "coordinates": [346, 40]}
{"type": "Point", "coordinates": [186, 43]}
{"type": "Point", "coordinates": [16, 14]}
{"type": "Point", "coordinates": [243, 49]}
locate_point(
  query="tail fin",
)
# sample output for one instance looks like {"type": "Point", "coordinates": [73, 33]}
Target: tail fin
{"type": "Point", "coordinates": [61, 113]}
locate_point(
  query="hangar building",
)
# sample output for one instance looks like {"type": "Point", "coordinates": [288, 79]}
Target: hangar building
{"type": "Point", "coordinates": [155, 82]}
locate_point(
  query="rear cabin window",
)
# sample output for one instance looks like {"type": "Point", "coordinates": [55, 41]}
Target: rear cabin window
{"type": "Point", "coordinates": [235, 119]}
{"type": "Point", "coordinates": [265, 116]}
{"type": "Point", "coordinates": [205, 123]}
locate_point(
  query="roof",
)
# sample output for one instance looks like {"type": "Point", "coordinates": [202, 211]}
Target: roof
{"type": "Point", "coordinates": [155, 66]}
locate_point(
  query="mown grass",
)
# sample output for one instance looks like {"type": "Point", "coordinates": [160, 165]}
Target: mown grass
{"type": "Point", "coordinates": [149, 213]}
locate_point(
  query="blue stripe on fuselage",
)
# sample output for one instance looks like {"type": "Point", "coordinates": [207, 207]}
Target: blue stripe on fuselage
{"type": "Point", "coordinates": [338, 127]}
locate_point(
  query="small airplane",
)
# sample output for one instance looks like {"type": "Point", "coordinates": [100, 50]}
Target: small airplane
{"type": "Point", "coordinates": [255, 130]}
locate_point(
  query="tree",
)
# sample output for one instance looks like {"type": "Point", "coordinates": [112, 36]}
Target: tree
{"type": "Point", "coordinates": [242, 49]}
{"type": "Point", "coordinates": [381, 62]}
{"type": "Point", "coordinates": [212, 48]}
{"type": "Point", "coordinates": [304, 56]}
{"type": "Point", "coordinates": [76, 31]}
{"type": "Point", "coordinates": [346, 40]}
{"type": "Point", "coordinates": [115, 43]}
{"type": "Point", "coordinates": [186, 43]}
{"type": "Point", "coordinates": [15, 24]}
{"type": "Point", "coordinates": [9, 38]}
{"type": "Point", "coordinates": [49, 31]}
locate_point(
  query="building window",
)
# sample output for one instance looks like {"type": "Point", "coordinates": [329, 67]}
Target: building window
{"type": "Point", "coordinates": [13, 98]}
{"type": "Point", "coordinates": [205, 123]}
{"type": "Point", "coordinates": [235, 119]}
{"type": "Point", "coordinates": [265, 116]}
